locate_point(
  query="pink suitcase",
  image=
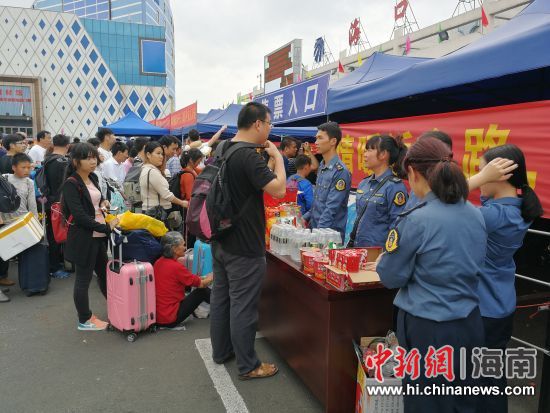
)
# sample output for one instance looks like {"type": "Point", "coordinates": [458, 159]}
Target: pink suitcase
{"type": "Point", "coordinates": [131, 301]}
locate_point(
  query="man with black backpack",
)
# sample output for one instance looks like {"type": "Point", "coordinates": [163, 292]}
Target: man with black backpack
{"type": "Point", "coordinates": [239, 255]}
{"type": "Point", "coordinates": [55, 165]}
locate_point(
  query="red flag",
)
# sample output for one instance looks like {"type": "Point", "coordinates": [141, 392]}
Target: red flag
{"type": "Point", "coordinates": [484, 19]}
{"type": "Point", "coordinates": [408, 45]}
{"type": "Point", "coordinates": [340, 67]}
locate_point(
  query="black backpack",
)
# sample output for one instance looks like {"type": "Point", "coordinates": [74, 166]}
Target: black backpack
{"type": "Point", "coordinates": [41, 180]}
{"type": "Point", "coordinates": [174, 184]}
{"type": "Point", "coordinates": [211, 215]}
{"type": "Point", "coordinates": [9, 199]}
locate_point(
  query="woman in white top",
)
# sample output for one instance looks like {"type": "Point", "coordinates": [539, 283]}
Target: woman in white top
{"type": "Point", "coordinates": [154, 186]}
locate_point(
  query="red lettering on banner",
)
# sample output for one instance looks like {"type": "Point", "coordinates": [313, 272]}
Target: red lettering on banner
{"type": "Point", "coordinates": [407, 363]}
{"type": "Point", "coordinates": [473, 132]}
{"type": "Point", "coordinates": [19, 92]}
{"type": "Point", "coordinates": [440, 362]}
{"type": "Point", "coordinates": [9, 92]}
{"type": "Point", "coordinates": [376, 361]}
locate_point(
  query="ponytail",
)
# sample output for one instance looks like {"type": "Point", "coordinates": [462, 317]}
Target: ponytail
{"type": "Point", "coordinates": [447, 182]}
{"type": "Point", "coordinates": [432, 159]}
{"type": "Point", "coordinates": [184, 159]}
{"type": "Point", "coordinates": [531, 207]}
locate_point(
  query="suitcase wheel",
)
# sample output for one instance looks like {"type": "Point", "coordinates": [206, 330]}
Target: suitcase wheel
{"type": "Point", "coordinates": [131, 337]}
{"type": "Point", "coordinates": [153, 328]}
{"type": "Point", "coordinates": [110, 327]}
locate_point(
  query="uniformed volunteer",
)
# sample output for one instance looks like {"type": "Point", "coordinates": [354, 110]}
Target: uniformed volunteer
{"type": "Point", "coordinates": [382, 195]}
{"type": "Point", "coordinates": [330, 201]}
{"type": "Point", "coordinates": [507, 217]}
{"type": "Point", "coordinates": [435, 256]}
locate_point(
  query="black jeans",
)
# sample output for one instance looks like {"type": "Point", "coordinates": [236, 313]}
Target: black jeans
{"type": "Point", "coordinates": [190, 304]}
{"type": "Point", "coordinates": [84, 277]}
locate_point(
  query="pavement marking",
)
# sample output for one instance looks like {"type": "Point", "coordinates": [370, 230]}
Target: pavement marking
{"type": "Point", "coordinates": [231, 398]}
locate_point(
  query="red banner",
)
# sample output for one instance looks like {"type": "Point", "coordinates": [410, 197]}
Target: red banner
{"type": "Point", "coordinates": [526, 125]}
{"type": "Point", "coordinates": [180, 119]}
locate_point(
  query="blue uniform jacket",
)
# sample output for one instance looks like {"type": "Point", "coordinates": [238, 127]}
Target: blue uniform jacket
{"type": "Point", "coordinates": [435, 257]}
{"type": "Point", "coordinates": [305, 192]}
{"type": "Point", "coordinates": [506, 230]}
{"type": "Point", "coordinates": [330, 199]}
{"type": "Point", "coordinates": [382, 210]}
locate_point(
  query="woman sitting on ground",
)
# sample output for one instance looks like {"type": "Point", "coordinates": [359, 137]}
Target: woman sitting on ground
{"type": "Point", "coordinates": [173, 307]}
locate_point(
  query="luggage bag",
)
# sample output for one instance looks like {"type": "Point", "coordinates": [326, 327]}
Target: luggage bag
{"type": "Point", "coordinates": [131, 301]}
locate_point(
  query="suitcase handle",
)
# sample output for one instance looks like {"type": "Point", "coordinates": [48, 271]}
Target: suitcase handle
{"type": "Point", "coordinates": [116, 265]}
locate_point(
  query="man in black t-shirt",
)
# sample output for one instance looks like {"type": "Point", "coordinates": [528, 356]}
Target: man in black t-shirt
{"type": "Point", "coordinates": [239, 258]}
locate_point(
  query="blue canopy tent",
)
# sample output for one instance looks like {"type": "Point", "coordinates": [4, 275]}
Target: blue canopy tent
{"type": "Point", "coordinates": [508, 65]}
{"type": "Point", "coordinates": [216, 118]}
{"type": "Point", "coordinates": [133, 125]}
{"type": "Point", "coordinates": [377, 66]}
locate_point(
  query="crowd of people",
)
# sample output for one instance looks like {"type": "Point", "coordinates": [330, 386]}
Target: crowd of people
{"type": "Point", "coordinates": [451, 261]}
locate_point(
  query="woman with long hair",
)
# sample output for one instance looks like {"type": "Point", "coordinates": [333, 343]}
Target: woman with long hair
{"type": "Point", "coordinates": [509, 206]}
{"type": "Point", "coordinates": [380, 196]}
{"type": "Point", "coordinates": [156, 197]}
{"type": "Point", "coordinates": [86, 245]}
{"type": "Point", "coordinates": [435, 256]}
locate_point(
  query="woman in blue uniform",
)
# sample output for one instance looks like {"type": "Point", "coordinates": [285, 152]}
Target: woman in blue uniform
{"type": "Point", "coordinates": [507, 217]}
{"type": "Point", "coordinates": [381, 196]}
{"type": "Point", "coordinates": [434, 256]}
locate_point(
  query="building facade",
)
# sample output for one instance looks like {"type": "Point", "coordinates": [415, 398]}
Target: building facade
{"type": "Point", "coordinates": [150, 12]}
{"type": "Point", "coordinates": [71, 75]}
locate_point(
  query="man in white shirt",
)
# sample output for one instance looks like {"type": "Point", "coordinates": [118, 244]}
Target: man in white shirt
{"type": "Point", "coordinates": [113, 168]}
{"type": "Point", "coordinates": [38, 151]}
{"type": "Point", "coordinates": [107, 139]}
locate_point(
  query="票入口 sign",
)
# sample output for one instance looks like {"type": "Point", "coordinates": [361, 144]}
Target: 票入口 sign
{"type": "Point", "coordinates": [299, 101]}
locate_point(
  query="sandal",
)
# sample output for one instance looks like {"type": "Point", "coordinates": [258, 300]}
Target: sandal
{"type": "Point", "coordinates": [265, 370]}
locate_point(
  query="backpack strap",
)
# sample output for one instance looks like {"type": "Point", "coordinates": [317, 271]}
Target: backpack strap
{"type": "Point", "coordinates": [353, 234]}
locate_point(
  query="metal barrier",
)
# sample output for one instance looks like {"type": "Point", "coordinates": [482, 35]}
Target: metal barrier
{"type": "Point", "coordinates": [544, 390]}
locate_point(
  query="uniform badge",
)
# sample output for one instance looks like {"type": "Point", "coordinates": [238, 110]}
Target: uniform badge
{"type": "Point", "coordinates": [392, 241]}
{"type": "Point", "coordinates": [339, 167]}
{"type": "Point", "coordinates": [340, 185]}
{"type": "Point", "coordinates": [399, 199]}
{"type": "Point", "coordinates": [360, 191]}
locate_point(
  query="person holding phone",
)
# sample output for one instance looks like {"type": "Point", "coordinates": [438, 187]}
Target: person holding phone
{"type": "Point", "coordinates": [86, 245]}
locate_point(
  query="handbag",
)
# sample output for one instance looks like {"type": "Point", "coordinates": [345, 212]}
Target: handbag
{"type": "Point", "coordinates": [60, 225]}
{"type": "Point", "coordinates": [157, 212]}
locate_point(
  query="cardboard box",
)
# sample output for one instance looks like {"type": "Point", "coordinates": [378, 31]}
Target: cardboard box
{"type": "Point", "coordinates": [21, 234]}
{"type": "Point", "coordinates": [374, 404]}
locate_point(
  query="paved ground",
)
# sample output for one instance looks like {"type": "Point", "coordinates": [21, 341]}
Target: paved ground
{"type": "Point", "coordinates": [47, 365]}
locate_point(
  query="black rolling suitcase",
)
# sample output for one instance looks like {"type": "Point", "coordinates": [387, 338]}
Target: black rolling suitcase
{"type": "Point", "coordinates": [34, 267]}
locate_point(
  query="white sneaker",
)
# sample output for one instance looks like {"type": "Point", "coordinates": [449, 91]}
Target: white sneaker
{"type": "Point", "coordinates": [4, 298]}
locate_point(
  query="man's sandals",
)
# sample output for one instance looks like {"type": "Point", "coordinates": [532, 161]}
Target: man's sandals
{"type": "Point", "coordinates": [263, 371]}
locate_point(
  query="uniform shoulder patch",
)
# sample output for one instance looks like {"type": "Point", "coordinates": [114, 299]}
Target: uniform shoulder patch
{"type": "Point", "coordinates": [414, 208]}
{"type": "Point", "coordinates": [395, 179]}
{"type": "Point", "coordinates": [340, 185]}
{"type": "Point", "coordinates": [400, 199]}
{"type": "Point", "coordinates": [392, 243]}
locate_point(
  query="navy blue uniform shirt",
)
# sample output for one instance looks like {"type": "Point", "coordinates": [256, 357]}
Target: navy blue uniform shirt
{"type": "Point", "coordinates": [382, 210]}
{"type": "Point", "coordinates": [330, 199]}
{"type": "Point", "coordinates": [435, 257]}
